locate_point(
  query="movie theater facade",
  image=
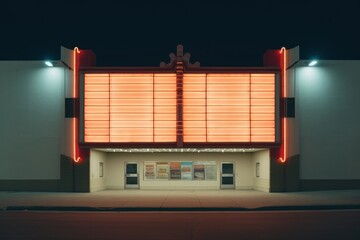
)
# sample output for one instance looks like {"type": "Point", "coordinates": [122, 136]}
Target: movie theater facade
{"type": "Point", "coordinates": [177, 126]}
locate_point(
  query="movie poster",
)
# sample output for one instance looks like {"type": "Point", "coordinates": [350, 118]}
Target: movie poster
{"type": "Point", "coordinates": [186, 170]}
{"type": "Point", "coordinates": [162, 170]}
{"type": "Point", "coordinates": [149, 171]}
{"type": "Point", "coordinates": [210, 170]}
{"type": "Point", "coordinates": [175, 170]}
{"type": "Point", "coordinates": [199, 171]}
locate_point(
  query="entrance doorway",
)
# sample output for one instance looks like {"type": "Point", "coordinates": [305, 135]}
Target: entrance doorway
{"type": "Point", "coordinates": [131, 175]}
{"type": "Point", "coordinates": [227, 175]}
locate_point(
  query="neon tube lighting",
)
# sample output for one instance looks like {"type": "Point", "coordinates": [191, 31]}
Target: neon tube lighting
{"type": "Point", "coordinates": [283, 159]}
{"type": "Point", "coordinates": [76, 158]}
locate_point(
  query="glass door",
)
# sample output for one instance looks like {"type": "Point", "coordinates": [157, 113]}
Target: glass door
{"type": "Point", "coordinates": [227, 175]}
{"type": "Point", "coordinates": [131, 175]}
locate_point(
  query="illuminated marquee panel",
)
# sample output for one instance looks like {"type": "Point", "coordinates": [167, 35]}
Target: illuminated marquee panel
{"type": "Point", "coordinates": [130, 108]}
{"type": "Point", "coordinates": [229, 107]}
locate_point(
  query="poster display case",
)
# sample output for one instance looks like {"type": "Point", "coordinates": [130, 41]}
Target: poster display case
{"type": "Point", "coordinates": [181, 170]}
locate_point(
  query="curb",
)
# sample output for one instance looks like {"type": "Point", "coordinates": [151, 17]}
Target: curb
{"type": "Point", "coordinates": [180, 209]}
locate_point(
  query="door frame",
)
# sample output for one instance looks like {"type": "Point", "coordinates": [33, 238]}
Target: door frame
{"type": "Point", "coordinates": [131, 186]}
{"type": "Point", "coordinates": [227, 186]}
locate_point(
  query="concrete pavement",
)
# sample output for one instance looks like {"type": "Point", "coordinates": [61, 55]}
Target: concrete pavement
{"type": "Point", "coordinates": [163, 200]}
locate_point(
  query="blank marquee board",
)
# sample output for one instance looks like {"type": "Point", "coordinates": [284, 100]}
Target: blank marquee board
{"type": "Point", "coordinates": [142, 108]}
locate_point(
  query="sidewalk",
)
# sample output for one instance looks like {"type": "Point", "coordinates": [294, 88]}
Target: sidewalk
{"type": "Point", "coordinates": [178, 200]}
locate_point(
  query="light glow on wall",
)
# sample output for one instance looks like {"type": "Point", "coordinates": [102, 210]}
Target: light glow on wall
{"type": "Point", "coordinates": [229, 107]}
{"type": "Point", "coordinates": [130, 107]}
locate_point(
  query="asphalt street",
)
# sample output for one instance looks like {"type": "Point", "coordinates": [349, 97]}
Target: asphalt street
{"type": "Point", "coordinates": [333, 224]}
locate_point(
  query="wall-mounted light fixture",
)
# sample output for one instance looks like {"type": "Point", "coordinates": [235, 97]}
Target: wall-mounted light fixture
{"type": "Point", "coordinates": [49, 64]}
{"type": "Point", "coordinates": [313, 63]}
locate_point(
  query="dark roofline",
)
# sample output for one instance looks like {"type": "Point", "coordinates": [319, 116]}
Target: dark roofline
{"type": "Point", "coordinates": [186, 70]}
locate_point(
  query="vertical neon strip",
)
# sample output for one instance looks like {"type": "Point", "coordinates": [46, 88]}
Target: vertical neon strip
{"type": "Point", "coordinates": [283, 158]}
{"type": "Point", "coordinates": [75, 154]}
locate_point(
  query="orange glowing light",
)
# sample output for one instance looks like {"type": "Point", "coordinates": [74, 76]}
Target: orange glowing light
{"type": "Point", "coordinates": [133, 107]}
{"type": "Point", "coordinates": [283, 159]}
{"type": "Point", "coordinates": [75, 143]}
{"type": "Point", "coordinates": [231, 107]}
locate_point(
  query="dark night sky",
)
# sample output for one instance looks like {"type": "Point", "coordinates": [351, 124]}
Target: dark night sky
{"type": "Point", "coordinates": [222, 34]}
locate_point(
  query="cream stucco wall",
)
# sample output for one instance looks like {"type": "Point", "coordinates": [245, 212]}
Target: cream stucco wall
{"type": "Point", "coordinates": [31, 120]}
{"type": "Point", "coordinates": [327, 97]}
{"type": "Point", "coordinates": [244, 170]}
{"type": "Point", "coordinates": [261, 183]}
{"type": "Point", "coordinates": [96, 181]}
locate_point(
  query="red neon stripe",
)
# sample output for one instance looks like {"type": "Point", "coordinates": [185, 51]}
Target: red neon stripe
{"type": "Point", "coordinates": [75, 154]}
{"type": "Point", "coordinates": [284, 157]}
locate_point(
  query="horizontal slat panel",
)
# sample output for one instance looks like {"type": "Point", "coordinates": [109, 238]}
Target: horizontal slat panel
{"type": "Point", "coordinates": [96, 124]}
{"type": "Point", "coordinates": [233, 87]}
{"type": "Point", "coordinates": [96, 88]}
{"type": "Point", "coordinates": [194, 124]}
{"type": "Point", "coordinates": [262, 117]}
{"type": "Point", "coordinates": [131, 138]}
{"type": "Point", "coordinates": [259, 101]}
{"type": "Point", "coordinates": [228, 117]}
{"type": "Point", "coordinates": [190, 138]}
{"type": "Point", "coordinates": [229, 131]}
{"type": "Point", "coordinates": [130, 116]}
{"type": "Point", "coordinates": [194, 109]}
{"type": "Point", "coordinates": [165, 117]}
{"type": "Point", "coordinates": [164, 109]}
{"type": "Point", "coordinates": [127, 102]}
{"type": "Point", "coordinates": [263, 87]}
{"type": "Point", "coordinates": [96, 138]}
{"type": "Point", "coordinates": [131, 131]}
{"type": "Point", "coordinates": [167, 124]}
{"type": "Point", "coordinates": [168, 87]}
{"type": "Point", "coordinates": [96, 79]}
{"type": "Point", "coordinates": [262, 131]}
{"type": "Point", "coordinates": [243, 101]}
{"type": "Point", "coordinates": [165, 131]}
{"type": "Point", "coordinates": [165, 102]}
{"type": "Point", "coordinates": [195, 131]}
{"type": "Point", "coordinates": [262, 109]}
{"type": "Point", "coordinates": [97, 109]}
{"type": "Point", "coordinates": [97, 131]}
{"type": "Point", "coordinates": [229, 95]}
{"type": "Point", "coordinates": [228, 109]}
{"type": "Point", "coordinates": [131, 78]}
{"type": "Point", "coordinates": [96, 102]}
{"type": "Point", "coordinates": [194, 117]}
{"type": "Point", "coordinates": [216, 138]}
{"type": "Point", "coordinates": [263, 124]}
{"type": "Point", "coordinates": [194, 79]}
{"type": "Point", "coordinates": [164, 78]}
{"type": "Point", "coordinates": [92, 95]}
{"type": "Point", "coordinates": [263, 138]}
{"type": "Point", "coordinates": [228, 124]}
{"type": "Point", "coordinates": [171, 95]}
{"type": "Point", "coordinates": [158, 138]}
{"type": "Point", "coordinates": [268, 95]}
{"type": "Point", "coordinates": [194, 88]}
{"type": "Point", "coordinates": [191, 101]}
{"type": "Point", "coordinates": [131, 95]}
{"type": "Point", "coordinates": [131, 109]}
{"type": "Point", "coordinates": [134, 124]}
{"type": "Point", "coordinates": [258, 78]}
{"type": "Point", "coordinates": [96, 117]}
{"type": "Point", "coordinates": [227, 78]}
{"type": "Point", "coordinates": [194, 95]}
{"type": "Point", "coordinates": [128, 87]}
